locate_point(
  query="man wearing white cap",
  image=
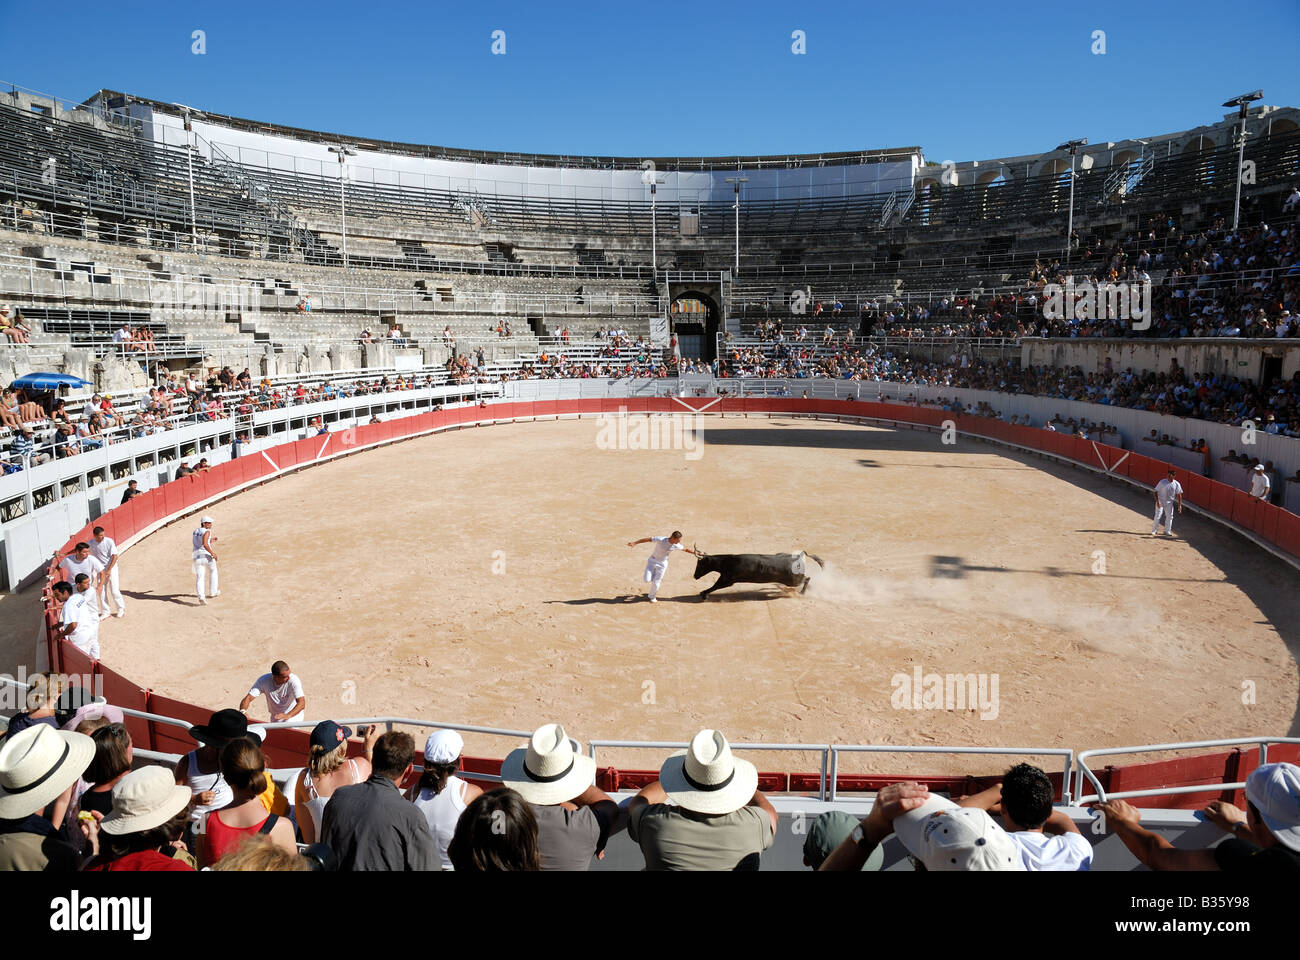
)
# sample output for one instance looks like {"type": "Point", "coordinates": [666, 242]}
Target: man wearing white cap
{"type": "Point", "coordinates": [205, 561]}
{"type": "Point", "coordinates": [705, 812]}
{"type": "Point", "coordinates": [1265, 838]}
{"type": "Point", "coordinates": [1045, 835]}
{"type": "Point", "coordinates": [39, 768]}
{"type": "Point", "coordinates": [1260, 485]}
{"type": "Point", "coordinates": [945, 837]}
{"type": "Point", "coordinates": [574, 816]}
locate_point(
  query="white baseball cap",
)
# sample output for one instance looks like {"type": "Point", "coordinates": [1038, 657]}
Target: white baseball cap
{"type": "Point", "coordinates": [946, 837]}
{"type": "Point", "coordinates": [443, 746]}
{"type": "Point", "coordinates": [206, 520]}
{"type": "Point", "coordinates": [1274, 789]}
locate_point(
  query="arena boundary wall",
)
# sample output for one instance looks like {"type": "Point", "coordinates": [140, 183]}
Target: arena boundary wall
{"type": "Point", "coordinates": [1265, 524]}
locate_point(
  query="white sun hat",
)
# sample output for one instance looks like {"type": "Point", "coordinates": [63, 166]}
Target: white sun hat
{"type": "Point", "coordinates": [37, 765]}
{"type": "Point", "coordinates": [206, 520]}
{"type": "Point", "coordinates": [946, 837]}
{"type": "Point", "coordinates": [548, 770]}
{"type": "Point", "coordinates": [706, 778]}
{"type": "Point", "coordinates": [144, 799]}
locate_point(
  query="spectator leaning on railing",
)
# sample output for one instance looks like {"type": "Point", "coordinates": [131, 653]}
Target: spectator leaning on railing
{"type": "Point", "coordinates": [1265, 838]}
{"type": "Point", "coordinates": [717, 820]}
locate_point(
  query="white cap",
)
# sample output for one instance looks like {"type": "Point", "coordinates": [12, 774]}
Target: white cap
{"type": "Point", "coordinates": [443, 746]}
{"type": "Point", "coordinates": [947, 837]}
{"type": "Point", "coordinates": [1259, 467]}
{"type": "Point", "coordinates": [206, 520]}
{"type": "Point", "coordinates": [1274, 789]}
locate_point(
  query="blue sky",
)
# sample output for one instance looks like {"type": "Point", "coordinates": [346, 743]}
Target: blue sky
{"type": "Point", "coordinates": [673, 78]}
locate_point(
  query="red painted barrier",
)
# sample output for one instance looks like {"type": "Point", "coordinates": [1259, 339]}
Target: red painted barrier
{"type": "Point", "coordinates": [121, 692]}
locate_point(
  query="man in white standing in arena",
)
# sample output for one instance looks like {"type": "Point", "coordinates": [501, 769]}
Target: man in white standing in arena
{"type": "Point", "coordinates": [81, 561]}
{"type": "Point", "coordinates": [205, 560]}
{"type": "Point", "coordinates": [657, 565]}
{"type": "Point", "coordinates": [1260, 485]}
{"type": "Point", "coordinates": [104, 549]}
{"type": "Point", "coordinates": [1168, 491]}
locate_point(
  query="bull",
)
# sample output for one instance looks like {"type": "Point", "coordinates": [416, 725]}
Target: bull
{"type": "Point", "coordinates": [733, 568]}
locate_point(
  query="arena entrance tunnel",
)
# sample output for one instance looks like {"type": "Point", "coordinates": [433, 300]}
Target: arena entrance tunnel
{"type": "Point", "coordinates": [151, 512]}
{"type": "Point", "coordinates": [697, 336]}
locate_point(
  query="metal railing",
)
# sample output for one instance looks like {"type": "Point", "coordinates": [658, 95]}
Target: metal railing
{"type": "Point", "coordinates": [836, 750]}
{"type": "Point", "coordinates": [1101, 795]}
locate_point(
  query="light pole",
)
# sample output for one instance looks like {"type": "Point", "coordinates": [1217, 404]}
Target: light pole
{"type": "Point", "coordinates": [653, 179]}
{"type": "Point", "coordinates": [735, 183]}
{"type": "Point", "coordinates": [1073, 146]}
{"type": "Point", "coordinates": [189, 161]}
{"type": "Point", "coordinates": [343, 153]}
{"type": "Point", "coordinates": [1243, 102]}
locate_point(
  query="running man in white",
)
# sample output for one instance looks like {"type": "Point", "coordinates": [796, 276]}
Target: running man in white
{"type": "Point", "coordinates": [104, 549]}
{"type": "Point", "coordinates": [1168, 491]}
{"type": "Point", "coordinates": [205, 560]}
{"type": "Point", "coordinates": [1260, 485]}
{"type": "Point", "coordinates": [657, 565]}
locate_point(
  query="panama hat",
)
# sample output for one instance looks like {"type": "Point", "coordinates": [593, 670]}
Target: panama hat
{"type": "Point", "coordinates": [706, 778]}
{"type": "Point", "coordinates": [548, 770]}
{"type": "Point", "coordinates": [946, 837]}
{"type": "Point", "coordinates": [37, 765]}
{"type": "Point", "coordinates": [144, 799]}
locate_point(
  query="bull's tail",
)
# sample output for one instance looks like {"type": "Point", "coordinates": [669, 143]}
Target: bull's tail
{"type": "Point", "coordinates": [815, 557]}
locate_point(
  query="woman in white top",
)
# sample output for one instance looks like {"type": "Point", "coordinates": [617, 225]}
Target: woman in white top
{"type": "Point", "coordinates": [328, 768]}
{"type": "Point", "coordinates": [440, 796]}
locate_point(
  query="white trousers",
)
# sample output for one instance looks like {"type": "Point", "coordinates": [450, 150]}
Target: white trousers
{"type": "Point", "coordinates": [654, 574]}
{"type": "Point", "coordinates": [1168, 510]}
{"type": "Point", "coordinates": [110, 589]}
{"type": "Point", "coordinates": [203, 566]}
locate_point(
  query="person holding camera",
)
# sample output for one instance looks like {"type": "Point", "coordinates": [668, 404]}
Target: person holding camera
{"type": "Point", "coordinates": [328, 769]}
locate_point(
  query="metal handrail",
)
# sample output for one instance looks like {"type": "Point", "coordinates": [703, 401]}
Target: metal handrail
{"type": "Point", "coordinates": [1069, 756]}
{"type": "Point", "coordinates": [1101, 795]}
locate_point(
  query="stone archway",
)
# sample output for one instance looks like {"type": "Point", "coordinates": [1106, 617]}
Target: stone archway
{"type": "Point", "coordinates": [696, 332]}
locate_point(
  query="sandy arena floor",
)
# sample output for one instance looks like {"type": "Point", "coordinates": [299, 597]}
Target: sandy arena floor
{"type": "Point", "coordinates": [483, 577]}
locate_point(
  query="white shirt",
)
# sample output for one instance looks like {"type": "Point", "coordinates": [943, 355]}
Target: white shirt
{"type": "Point", "coordinates": [91, 567]}
{"type": "Point", "coordinates": [103, 550]}
{"type": "Point", "coordinates": [1259, 485]}
{"type": "Point", "coordinates": [663, 547]}
{"type": "Point", "coordinates": [1167, 490]}
{"type": "Point", "coordinates": [81, 609]}
{"type": "Point", "coordinates": [1065, 851]}
{"type": "Point", "coordinates": [197, 538]}
{"type": "Point", "coordinates": [282, 698]}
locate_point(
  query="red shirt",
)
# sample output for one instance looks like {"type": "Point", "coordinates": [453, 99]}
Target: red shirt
{"type": "Point", "coordinates": [220, 839]}
{"type": "Point", "coordinates": [144, 860]}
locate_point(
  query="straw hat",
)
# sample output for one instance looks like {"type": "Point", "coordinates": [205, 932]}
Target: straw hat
{"type": "Point", "coordinates": [144, 799]}
{"type": "Point", "coordinates": [37, 765]}
{"type": "Point", "coordinates": [706, 777]}
{"type": "Point", "coordinates": [548, 770]}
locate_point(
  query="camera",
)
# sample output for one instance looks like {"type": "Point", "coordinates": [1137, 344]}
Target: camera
{"type": "Point", "coordinates": [364, 730]}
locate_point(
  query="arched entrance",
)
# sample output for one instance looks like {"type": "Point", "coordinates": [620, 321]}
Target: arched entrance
{"type": "Point", "coordinates": [695, 318]}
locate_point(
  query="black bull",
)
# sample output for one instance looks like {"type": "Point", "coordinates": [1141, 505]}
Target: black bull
{"type": "Point", "coordinates": [732, 568]}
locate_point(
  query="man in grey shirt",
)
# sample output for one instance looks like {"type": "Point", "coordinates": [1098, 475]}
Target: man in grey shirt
{"type": "Point", "coordinates": [371, 826]}
{"type": "Point", "coordinates": [574, 817]}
